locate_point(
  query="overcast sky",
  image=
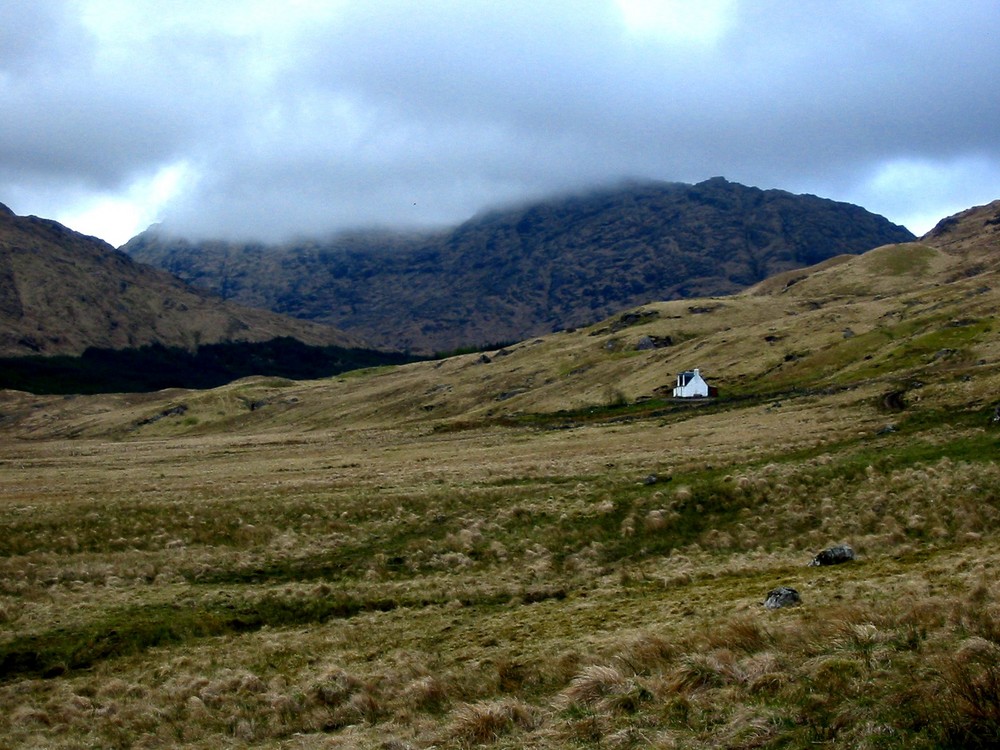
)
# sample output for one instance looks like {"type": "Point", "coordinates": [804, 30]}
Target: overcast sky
{"type": "Point", "coordinates": [264, 119]}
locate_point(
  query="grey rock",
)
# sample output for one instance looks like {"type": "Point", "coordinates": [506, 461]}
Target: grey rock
{"type": "Point", "coordinates": [834, 556]}
{"type": "Point", "coordinates": [647, 343]}
{"type": "Point", "coordinates": [783, 596]}
{"type": "Point", "coordinates": [173, 411]}
{"type": "Point", "coordinates": [510, 394]}
{"type": "Point", "coordinates": [634, 318]}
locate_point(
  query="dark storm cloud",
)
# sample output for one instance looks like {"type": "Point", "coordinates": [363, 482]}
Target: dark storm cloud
{"type": "Point", "coordinates": [331, 115]}
{"type": "Point", "coordinates": [82, 117]}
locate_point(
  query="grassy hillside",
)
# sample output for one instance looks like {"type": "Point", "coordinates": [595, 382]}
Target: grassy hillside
{"type": "Point", "coordinates": [62, 293]}
{"type": "Point", "coordinates": [536, 548]}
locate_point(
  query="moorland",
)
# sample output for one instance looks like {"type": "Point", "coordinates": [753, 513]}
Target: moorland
{"type": "Point", "coordinates": [535, 546]}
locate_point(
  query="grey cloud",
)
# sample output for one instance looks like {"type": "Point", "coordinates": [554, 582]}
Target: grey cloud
{"type": "Point", "coordinates": [399, 113]}
{"type": "Point", "coordinates": [77, 120]}
{"type": "Point", "coordinates": [37, 36]}
{"type": "Point", "coordinates": [823, 87]}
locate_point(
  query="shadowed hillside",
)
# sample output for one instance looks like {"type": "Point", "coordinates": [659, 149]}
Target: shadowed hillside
{"type": "Point", "coordinates": [511, 274]}
{"type": "Point", "coordinates": [155, 367]}
{"type": "Point", "coordinates": [62, 292]}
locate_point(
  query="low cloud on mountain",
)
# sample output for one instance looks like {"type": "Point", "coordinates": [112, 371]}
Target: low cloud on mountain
{"type": "Point", "coordinates": [245, 118]}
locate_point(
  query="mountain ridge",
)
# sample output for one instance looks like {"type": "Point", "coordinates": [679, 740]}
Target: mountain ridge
{"type": "Point", "coordinates": [507, 274]}
{"type": "Point", "coordinates": [900, 323]}
{"type": "Point", "coordinates": [62, 292]}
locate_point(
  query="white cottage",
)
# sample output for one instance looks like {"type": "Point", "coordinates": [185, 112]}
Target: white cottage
{"type": "Point", "coordinates": [690, 384]}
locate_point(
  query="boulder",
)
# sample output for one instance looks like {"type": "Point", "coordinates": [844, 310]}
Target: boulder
{"type": "Point", "coordinates": [834, 556]}
{"type": "Point", "coordinates": [173, 411]}
{"type": "Point", "coordinates": [783, 596]}
{"type": "Point", "coordinates": [646, 343]}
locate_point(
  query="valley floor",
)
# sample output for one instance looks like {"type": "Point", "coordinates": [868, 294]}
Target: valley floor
{"type": "Point", "coordinates": [599, 585]}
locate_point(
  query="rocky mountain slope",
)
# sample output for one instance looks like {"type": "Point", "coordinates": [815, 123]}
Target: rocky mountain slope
{"type": "Point", "coordinates": [62, 292]}
{"type": "Point", "coordinates": [512, 274]}
{"type": "Point", "coordinates": [900, 324]}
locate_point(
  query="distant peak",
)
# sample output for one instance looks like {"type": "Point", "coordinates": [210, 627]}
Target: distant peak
{"type": "Point", "coordinates": [4, 211]}
{"type": "Point", "coordinates": [985, 214]}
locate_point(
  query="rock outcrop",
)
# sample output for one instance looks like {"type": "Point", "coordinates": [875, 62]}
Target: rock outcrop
{"type": "Point", "coordinates": [833, 556]}
{"type": "Point", "coordinates": [783, 596]}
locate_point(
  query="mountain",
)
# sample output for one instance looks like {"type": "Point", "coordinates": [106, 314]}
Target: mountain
{"type": "Point", "coordinates": [972, 235]}
{"type": "Point", "coordinates": [62, 293]}
{"type": "Point", "coordinates": [905, 323]}
{"type": "Point", "coordinates": [521, 272]}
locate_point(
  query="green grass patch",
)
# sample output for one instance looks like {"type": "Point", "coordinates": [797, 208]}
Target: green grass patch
{"type": "Point", "coordinates": [133, 630]}
{"type": "Point", "coordinates": [899, 260]}
{"type": "Point", "coordinates": [949, 341]}
{"type": "Point", "coordinates": [919, 344]}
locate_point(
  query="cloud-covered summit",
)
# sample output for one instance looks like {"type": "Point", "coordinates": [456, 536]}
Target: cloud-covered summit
{"type": "Point", "coordinates": [257, 119]}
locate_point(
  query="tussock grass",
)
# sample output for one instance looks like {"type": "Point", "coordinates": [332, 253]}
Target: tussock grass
{"type": "Point", "coordinates": [484, 722]}
{"type": "Point", "coordinates": [508, 586]}
{"type": "Point", "coordinates": [539, 551]}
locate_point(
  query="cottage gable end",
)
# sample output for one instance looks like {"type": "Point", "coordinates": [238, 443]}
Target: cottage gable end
{"type": "Point", "coordinates": [690, 384]}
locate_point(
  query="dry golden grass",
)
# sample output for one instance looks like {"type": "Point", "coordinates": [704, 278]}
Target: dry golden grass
{"type": "Point", "coordinates": [399, 559]}
{"type": "Point", "coordinates": [511, 587]}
